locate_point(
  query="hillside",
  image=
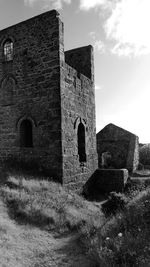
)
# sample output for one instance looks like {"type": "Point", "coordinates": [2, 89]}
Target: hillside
{"type": "Point", "coordinates": [43, 225]}
{"type": "Point", "coordinates": [39, 223]}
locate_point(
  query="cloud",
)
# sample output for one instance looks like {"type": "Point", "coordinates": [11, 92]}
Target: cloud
{"type": "Point", "coordinates": [88, 4]}
{"type": "Point", "coordinates": [97, 43]}
{"type": "Point", "coordinates": [46, 4]}
{"type": "Point", "coordinates": [128, 26]}
{"type": "Point", "coordinates": [99, 46]}
{"type": "Point", "coordinates": [29, 2]}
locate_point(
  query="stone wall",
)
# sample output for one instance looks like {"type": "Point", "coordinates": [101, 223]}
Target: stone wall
{"type": "Point", "coordinates": [78, 105]}
{"type": "Point", "coordinates": [30, 89]}
{"type": "Point", "coordinates": [122, 145]}
{"type": "Point", "coordinates": [82, 60]}
{"type": "Point", "coordinates": [105, 181]}
{"type": "Point", "coordinates": [39, 88]}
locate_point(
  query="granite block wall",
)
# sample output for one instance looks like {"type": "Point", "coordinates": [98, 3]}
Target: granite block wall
{"type": "Point", "coordinates": [82, 60]}
{"type": "Point", "coordinates": [30, 90]}
{"type": "Point", "coordinates": [45, 94]}
{"type": "Point", "coordinates": [122, 146]}
{"type": "Point", "coordinates": [78, 106]}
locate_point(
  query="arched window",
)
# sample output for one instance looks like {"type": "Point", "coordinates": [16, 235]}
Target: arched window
{"type": "Point", "coordinates": [26, 139]}
{"type": "Point", "coordinates": [8, 50]}
{"type": "Point", "coordinates": [81, 142]}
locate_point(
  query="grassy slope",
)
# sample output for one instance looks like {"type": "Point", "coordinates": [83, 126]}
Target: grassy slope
{"type": "Point", "coordinates": [35, 215]}
{"type": "Point", "coordinates": [124, 239]}
{"type": "Point", "coordinates": [43, 225]}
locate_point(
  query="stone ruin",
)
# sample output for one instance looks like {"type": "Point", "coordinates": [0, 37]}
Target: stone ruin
{"type": "Point", "coordinates": [118, 155]}
{"type": "Point", "coordinates": [47, 100]}
{"type": "Point", "coordinates": [117, 148]}
{"type": "Point", "coordinates": [47, 106]}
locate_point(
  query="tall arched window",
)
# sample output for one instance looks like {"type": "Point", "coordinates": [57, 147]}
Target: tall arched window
{"type": "Point", "coordinates": [8, 50]}
{"type": "Point", "coordinates": [81, 142]}
{"type": "Point", "coordinates": [26, 139]}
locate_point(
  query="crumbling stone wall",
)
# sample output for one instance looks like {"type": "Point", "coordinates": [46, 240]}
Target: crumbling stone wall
{"type": "Point", "coordinates": [82, 60]}
{"type": "Point", "coordinates": [30, 89]}
{"type": "Point", "coordinates": [122, 145]}
{"type": "Point", "coordinates": [78, 106]}
{"type": "Point", "coordinates": [39, 87]}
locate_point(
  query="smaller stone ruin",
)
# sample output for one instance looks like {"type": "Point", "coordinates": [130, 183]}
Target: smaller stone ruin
{"type": "Point", "coordinates": [117, 148]}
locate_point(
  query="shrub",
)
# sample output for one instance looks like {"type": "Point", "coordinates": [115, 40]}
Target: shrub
{"type": "Point", "coordinates": [124, 238]}
{"type": "Point", "coordinates": [133, 187]}
{"type": "Point", "coordinates": [115, 203]}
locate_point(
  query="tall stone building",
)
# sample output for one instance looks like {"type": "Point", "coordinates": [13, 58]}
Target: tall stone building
{"type": "Point", "coordinates": [47, 102]}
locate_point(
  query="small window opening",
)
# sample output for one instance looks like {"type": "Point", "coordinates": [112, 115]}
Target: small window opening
{"type": "Point", "coordinates": [26, 139]}
{"type": "Point", "coordinates": [8, 50]}
{"type": "Point", "coordinates": [81, 142]}
{"type": "Point", "coordinates": [106, 158]}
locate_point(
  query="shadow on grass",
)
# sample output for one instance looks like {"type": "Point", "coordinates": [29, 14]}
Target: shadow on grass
{"type": "Point", "coordinates": [28, 168]}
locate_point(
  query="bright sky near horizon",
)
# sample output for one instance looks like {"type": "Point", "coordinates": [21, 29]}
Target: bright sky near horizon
{"type": "Point", "coordinates": [119, 32]}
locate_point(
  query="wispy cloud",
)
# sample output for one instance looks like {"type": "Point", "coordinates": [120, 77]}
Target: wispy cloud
{"type": "Point", "coordinates": [99, 46]}
{"type": "Point", "coordinates": [128, 25]}
{"type": "Point", "coordinates": [46, 4]}
{"type": "Point", "coordinates": [88, 4]}
{"type": "Point", "coordinates": [97, 43]}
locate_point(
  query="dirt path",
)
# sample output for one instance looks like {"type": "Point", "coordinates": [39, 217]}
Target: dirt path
{"type": "Point", "coordinates": [26, 246]}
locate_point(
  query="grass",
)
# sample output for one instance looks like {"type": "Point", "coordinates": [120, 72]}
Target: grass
{"type": "Point", "coordinates": [44, 224]}
{"type": "Point", "coordinates": [124, 239]}
{"type": "Point", "coordinates": [47, 205]}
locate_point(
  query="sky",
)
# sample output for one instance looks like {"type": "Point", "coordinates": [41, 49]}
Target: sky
{"type": "Point", "coordinates": [120, 34]}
